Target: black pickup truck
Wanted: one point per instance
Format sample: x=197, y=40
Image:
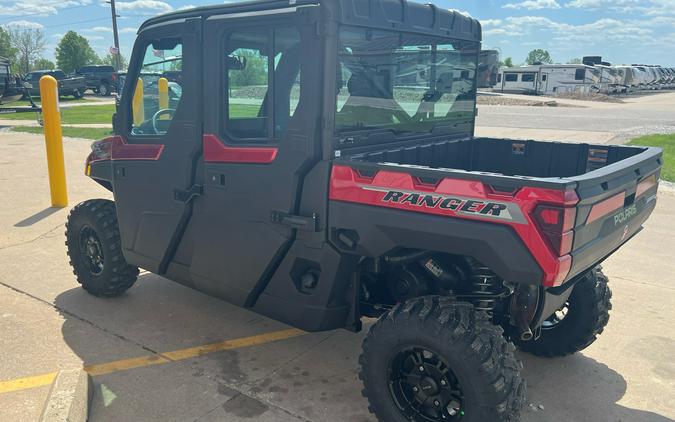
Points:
x=318, y=165
x=101, y=79
x=74, y=86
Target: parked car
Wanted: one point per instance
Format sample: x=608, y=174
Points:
x=359, y=190
x=74, y=86
x=101, y=79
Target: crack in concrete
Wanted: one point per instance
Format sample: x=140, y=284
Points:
x=26, y=242
x=82, y=319
x=642, y=282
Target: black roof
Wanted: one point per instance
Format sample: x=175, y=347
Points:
x=401, y=15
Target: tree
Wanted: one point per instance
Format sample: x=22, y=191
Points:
x=6, y=49
x=253, y=71
x=508, y=62
x=539, y=56
x=575, y=61
x=73, y=52
x=109, y=59
x=43, y=64
x=29, y=44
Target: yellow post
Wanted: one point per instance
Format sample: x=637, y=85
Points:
x=163, y=88
x=137, y=104
x=49, y=93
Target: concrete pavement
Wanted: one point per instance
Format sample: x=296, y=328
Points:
x=49, y=323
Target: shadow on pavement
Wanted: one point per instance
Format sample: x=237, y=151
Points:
x=575, y=388
x=37, y=217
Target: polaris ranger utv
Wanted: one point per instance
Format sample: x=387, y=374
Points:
x=319, y=167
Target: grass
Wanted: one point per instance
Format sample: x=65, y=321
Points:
x=75, y=115
x=667, y=142
x=70, y=132
x=36, y=100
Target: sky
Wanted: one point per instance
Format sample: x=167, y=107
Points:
x=622, y=31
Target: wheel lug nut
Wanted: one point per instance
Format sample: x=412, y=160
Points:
x=437, y=403
x=443, y=382
x=415, y=389
x=421, y=368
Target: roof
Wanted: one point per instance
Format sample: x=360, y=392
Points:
x=401, y=15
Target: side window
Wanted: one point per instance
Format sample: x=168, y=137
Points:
x=511, y=77
x=580, y=75
x=528, y=77
x=544, y=78
x=155, y=99
x=262, y=89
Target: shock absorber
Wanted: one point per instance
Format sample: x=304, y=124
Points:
x=485, y=288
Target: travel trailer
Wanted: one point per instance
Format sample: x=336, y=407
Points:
x=488, y=68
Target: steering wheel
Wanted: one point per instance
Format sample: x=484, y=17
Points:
x=155, y=117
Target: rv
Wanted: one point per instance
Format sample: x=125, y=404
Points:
x=548, y=79
x=488, y=68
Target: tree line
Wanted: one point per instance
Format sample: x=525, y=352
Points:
x=536, y=56
x=25, y=48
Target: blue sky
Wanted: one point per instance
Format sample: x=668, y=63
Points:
x=622, y=31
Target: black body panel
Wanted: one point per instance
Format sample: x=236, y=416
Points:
x=381, y=230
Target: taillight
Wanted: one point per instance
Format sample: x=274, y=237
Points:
x=114, y=77
x=556, y=224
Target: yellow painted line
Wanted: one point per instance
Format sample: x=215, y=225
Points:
x=143, y=361
x=124, y=364
x=233, y=344
x=27, y=382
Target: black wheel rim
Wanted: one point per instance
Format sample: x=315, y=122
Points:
x=424, y=387
x=91, y=250
x=557, y=317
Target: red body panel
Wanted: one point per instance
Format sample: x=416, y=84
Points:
x=346, y=184
x=215, y=151
x=116, y=148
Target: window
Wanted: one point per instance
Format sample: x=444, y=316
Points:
x=527, y=77
x=499, y=78
x=152, y=107
x=254, y=111
x=511, y=77
x=544, y=78
x=403, y=82
x=580, y=75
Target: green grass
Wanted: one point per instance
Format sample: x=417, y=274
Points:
x=75, y=115
x=70, y=132
x=244, y=110
x=36, y=100
x=667, y=142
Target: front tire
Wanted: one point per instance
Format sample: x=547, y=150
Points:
x=578, y=323
x=95, y=250
x=436, y=359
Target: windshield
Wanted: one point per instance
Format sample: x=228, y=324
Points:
x=403, y=82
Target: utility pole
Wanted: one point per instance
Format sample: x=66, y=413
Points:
x=116, y=39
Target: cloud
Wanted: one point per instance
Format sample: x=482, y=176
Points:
x=24, y=24
x=98, y=29
x=533, y=5
x=461, y=12
x=95, y=37
x=143, y=5
x=644, y=7
x=38, y=7
x=127, y=30
x=490, y=22
x=188, y=6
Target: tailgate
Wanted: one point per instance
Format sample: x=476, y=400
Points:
x=614, y=202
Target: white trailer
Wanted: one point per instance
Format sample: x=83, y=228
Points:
x=548, y=79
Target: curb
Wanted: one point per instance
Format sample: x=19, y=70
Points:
x=69, y=397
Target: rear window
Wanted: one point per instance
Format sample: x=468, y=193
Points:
x=104, y=69
x=59, y=74
x=511, y=77
x=528, y=77
x=580, y=75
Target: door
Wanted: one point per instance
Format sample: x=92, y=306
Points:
x=261, y=118
x=154, y=157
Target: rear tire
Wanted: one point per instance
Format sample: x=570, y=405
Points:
x=586, y=314
x=433, y=358
x=103, y=90
x=95, y=250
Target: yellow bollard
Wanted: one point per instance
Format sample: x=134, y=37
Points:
x=49, y=92
x=163, y=93
x=137, y=104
